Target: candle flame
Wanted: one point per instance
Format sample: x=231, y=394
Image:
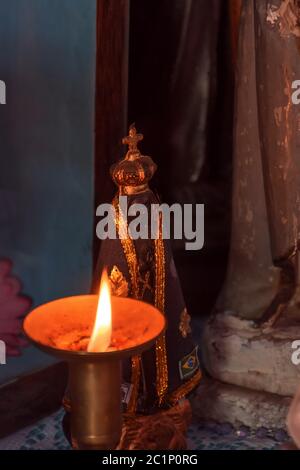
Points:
x=101, y=335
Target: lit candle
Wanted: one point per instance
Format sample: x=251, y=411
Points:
x=101, y=334
x=60, y=326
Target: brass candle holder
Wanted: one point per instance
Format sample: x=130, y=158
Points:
x=94, y=377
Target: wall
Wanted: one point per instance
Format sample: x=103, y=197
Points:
x=47, y=60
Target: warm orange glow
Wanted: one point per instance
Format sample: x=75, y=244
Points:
x=101, y=335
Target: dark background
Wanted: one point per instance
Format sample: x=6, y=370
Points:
x=181, y=99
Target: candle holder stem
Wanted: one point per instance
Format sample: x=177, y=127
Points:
x=96, y=417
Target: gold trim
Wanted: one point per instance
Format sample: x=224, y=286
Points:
x=128, y=249
x=135, y=380
x=184, y=324
x=184, y=389
x=160, y=347
x=118, y=282
x=129, y=190
x=132, y=262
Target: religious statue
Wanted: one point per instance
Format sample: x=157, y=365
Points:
x=144, y=269
x=263, y=276
x=248, y=340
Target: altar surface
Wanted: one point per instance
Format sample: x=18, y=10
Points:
x=47, y=434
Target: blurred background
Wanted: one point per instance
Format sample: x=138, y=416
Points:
x=73, y=83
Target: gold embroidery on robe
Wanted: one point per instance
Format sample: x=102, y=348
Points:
x=119, y=285
x=145, y=284
x=184, y=325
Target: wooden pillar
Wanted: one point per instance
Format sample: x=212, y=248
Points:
x=111, y=94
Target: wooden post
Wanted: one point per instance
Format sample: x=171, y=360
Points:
x=111, y=94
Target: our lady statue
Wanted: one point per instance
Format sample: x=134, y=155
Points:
x=144, y=269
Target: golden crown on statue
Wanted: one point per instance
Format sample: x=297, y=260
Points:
x=134, y=171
